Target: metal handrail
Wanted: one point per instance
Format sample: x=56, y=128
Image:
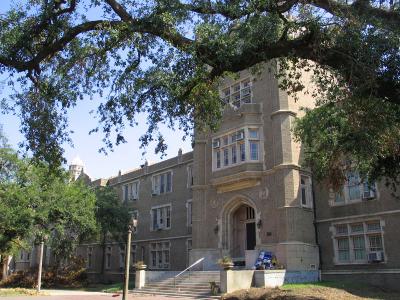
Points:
x=187, y=269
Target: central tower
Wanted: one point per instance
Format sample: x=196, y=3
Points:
x=250, y=191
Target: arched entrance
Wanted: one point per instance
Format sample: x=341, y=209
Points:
x=239, y=232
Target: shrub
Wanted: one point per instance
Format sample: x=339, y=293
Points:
x=72, y=275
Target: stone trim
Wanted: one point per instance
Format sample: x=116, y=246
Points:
x=138, y=177
x=283, y=111
x=147, y=240
x=388, y=212
x=361, y=271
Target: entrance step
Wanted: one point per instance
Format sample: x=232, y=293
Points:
x=193, y=285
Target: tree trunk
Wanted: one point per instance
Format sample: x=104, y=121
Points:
x=5, y=266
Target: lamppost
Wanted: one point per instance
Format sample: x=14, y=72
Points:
x=39, y=279
x=131, y=227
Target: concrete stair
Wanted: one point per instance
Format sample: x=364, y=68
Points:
x=193, y=285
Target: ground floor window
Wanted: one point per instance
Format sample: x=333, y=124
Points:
x=159, y=255
x=108, y=257
x=89, y=262
x=359, y=242
x=122, y=256
x=133, y=254
x=189, y=247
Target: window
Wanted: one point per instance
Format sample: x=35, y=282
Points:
x=108, y=257
x=130, y=191
x=305, y=191
x=133, y=255
x=122, y=256
x=234, y=159
x=159, y=254
x=355, y=242
x=189, y=176
x=218, y=154
x=89, y=262
x=250, y=213
x=162, y=183
x=240, y=146
x=161, y=217
x=189, y=213
x=237, y=94
x=189, y=248
x=354, y=190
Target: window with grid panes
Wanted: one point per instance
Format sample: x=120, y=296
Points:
x=238, y=93
x=162, y=183
x=161, y=217
x=355, y=240
x=240, y=146
x=160, y=254
x=130, y=191
x=354, y=190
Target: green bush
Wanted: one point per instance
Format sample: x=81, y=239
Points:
x=72, y=275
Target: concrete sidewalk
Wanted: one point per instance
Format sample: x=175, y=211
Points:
x=76, y=295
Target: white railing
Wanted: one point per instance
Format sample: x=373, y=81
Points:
x=187, y=270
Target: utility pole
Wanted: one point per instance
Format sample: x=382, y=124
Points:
x=39, y=280
x=132, y=225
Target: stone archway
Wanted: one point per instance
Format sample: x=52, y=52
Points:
x=237, y=222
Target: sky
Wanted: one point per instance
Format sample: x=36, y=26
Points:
x=97, y=165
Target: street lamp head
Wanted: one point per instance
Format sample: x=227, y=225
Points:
x=133, y=223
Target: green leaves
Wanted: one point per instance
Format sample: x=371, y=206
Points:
x=165, y=59
x=37, y=202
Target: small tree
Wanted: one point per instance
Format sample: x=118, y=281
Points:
x=112, y=218
x=36, y=203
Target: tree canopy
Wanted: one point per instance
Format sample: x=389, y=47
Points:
x=166, y=58
x=36, y=203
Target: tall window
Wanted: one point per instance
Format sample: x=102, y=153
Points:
x=133, y=255
x=189, y=175
x=108, y=257
x=131, y=191
x=359, y=242
x=89, y=262
x=122, y=256
x=189, y=212
x=305, y=191
x=240, y=146
x=189, y=248
x=159, y=255
x=162, y=183
x=238, y=93
x=161, y=217
x=354, y=190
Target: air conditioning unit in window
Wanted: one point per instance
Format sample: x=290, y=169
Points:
x=368, y=195
x=159, y=227
x=240, y=135
x=216, y=143
x=376, y=256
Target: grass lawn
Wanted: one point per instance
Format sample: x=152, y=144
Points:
x=105, y=288
x=315, y=291
x=18, y=292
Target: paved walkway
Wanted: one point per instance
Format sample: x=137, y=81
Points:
x=76, y=295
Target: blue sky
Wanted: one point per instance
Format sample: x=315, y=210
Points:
x=125, y=157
